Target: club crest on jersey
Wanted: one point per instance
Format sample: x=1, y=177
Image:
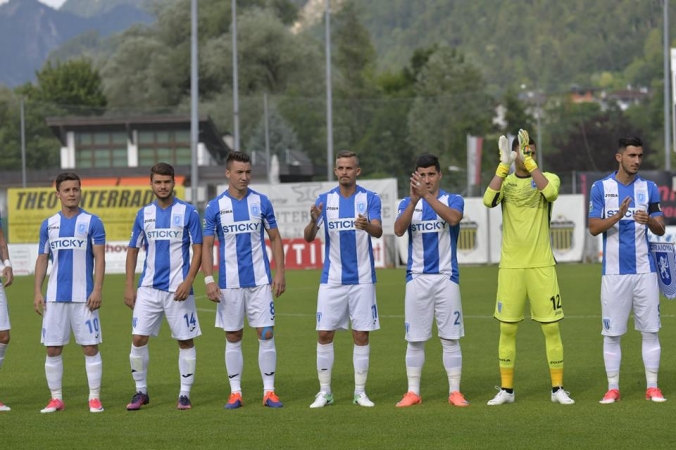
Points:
x=255, y=210
x=177, y=220
x=81, y=228
x=361, y=207
x=641, y=197
x=532, y=184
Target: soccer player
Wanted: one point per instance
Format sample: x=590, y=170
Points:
x=431, y=217
x=527, y=266
x=166, y=229
x=623, y=206
x=347, y=290
x=239, y=217
x=75, y=242
x=8, y=275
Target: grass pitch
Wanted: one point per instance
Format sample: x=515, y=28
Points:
x=531, y=422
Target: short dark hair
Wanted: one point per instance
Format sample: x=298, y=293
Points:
x=428, y=160
x=515, y=142
x=348, y=154
x=161, y=168
x=628, y=141
x=67, y=176
x=237, y=156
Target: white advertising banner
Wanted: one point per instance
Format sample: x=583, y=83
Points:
x=481, y=232
x=24, y=255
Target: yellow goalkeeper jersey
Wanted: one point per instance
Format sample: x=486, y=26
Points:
x=526, y=213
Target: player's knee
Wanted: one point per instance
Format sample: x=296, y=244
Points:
x=551, y=329
x=649, y=337
x=4, y=337
x=267, y=333
x=508, y=329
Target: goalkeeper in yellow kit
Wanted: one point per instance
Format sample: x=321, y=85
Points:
x=526, y=264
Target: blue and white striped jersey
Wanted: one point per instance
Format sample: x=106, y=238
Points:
x=69, y=242
x=167, y=236
x=432, y=242
x=348, y=252
x=239, y=226
x=625, y=245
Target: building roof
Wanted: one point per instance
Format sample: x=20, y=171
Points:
x=208, y=134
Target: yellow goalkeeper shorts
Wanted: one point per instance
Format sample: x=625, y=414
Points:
x=539, y=285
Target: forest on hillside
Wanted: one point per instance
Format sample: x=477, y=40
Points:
x=408, y=77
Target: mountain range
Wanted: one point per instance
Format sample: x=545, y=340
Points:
x=30, y=30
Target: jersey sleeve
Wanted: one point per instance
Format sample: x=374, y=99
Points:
x=321, y=200
x=492, y=198
x=402, y=205
x=137, y=233
x=551, y=191
x=375, y=207
x=44, y=238
x=194, y=227
x=98, y=231
x=268, y=213
x=210, y=218
x=596, y=201
x=654, y=200
x=457, y=202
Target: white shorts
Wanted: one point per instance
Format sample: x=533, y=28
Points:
x=428, y=297
x=622, y=293
x=4, y=310
x=152, y=304
x=338, y=305
x=256, y=303
x=59, y=318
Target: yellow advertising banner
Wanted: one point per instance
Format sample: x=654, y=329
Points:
x=115, y=205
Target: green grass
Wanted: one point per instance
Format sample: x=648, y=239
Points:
x=531, y=422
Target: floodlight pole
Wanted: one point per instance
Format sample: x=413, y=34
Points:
x=194, y=123
x=235, y=79
x=329, y=97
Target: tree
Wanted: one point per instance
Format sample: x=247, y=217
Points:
x=73, y=83
x=451, y=102
x=281, y=136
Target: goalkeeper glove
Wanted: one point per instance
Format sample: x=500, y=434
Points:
x=506, y=157
x=525, y=151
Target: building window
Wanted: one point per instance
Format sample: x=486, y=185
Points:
x=100, y=150
x=170, y=146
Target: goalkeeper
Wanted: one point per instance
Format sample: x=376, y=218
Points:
x=526, y=264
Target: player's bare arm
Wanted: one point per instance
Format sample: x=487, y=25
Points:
x=279, y=280
x=183, y=289
x=40, y=274
x=96, y=297
x=310, y=231
x=213, y=291
x=130, y=272
x=598, y=226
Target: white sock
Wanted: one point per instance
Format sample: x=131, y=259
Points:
x=94, y=368
x=54, y=373
x=651, y=352
x=325, y=357
x=415, y=359
x=267, y=363
x=234, y=363
x=452, y=357
x=187, y=359
x=612, y=357
x=360, y=360
x=3, y=349
x=138, y=360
